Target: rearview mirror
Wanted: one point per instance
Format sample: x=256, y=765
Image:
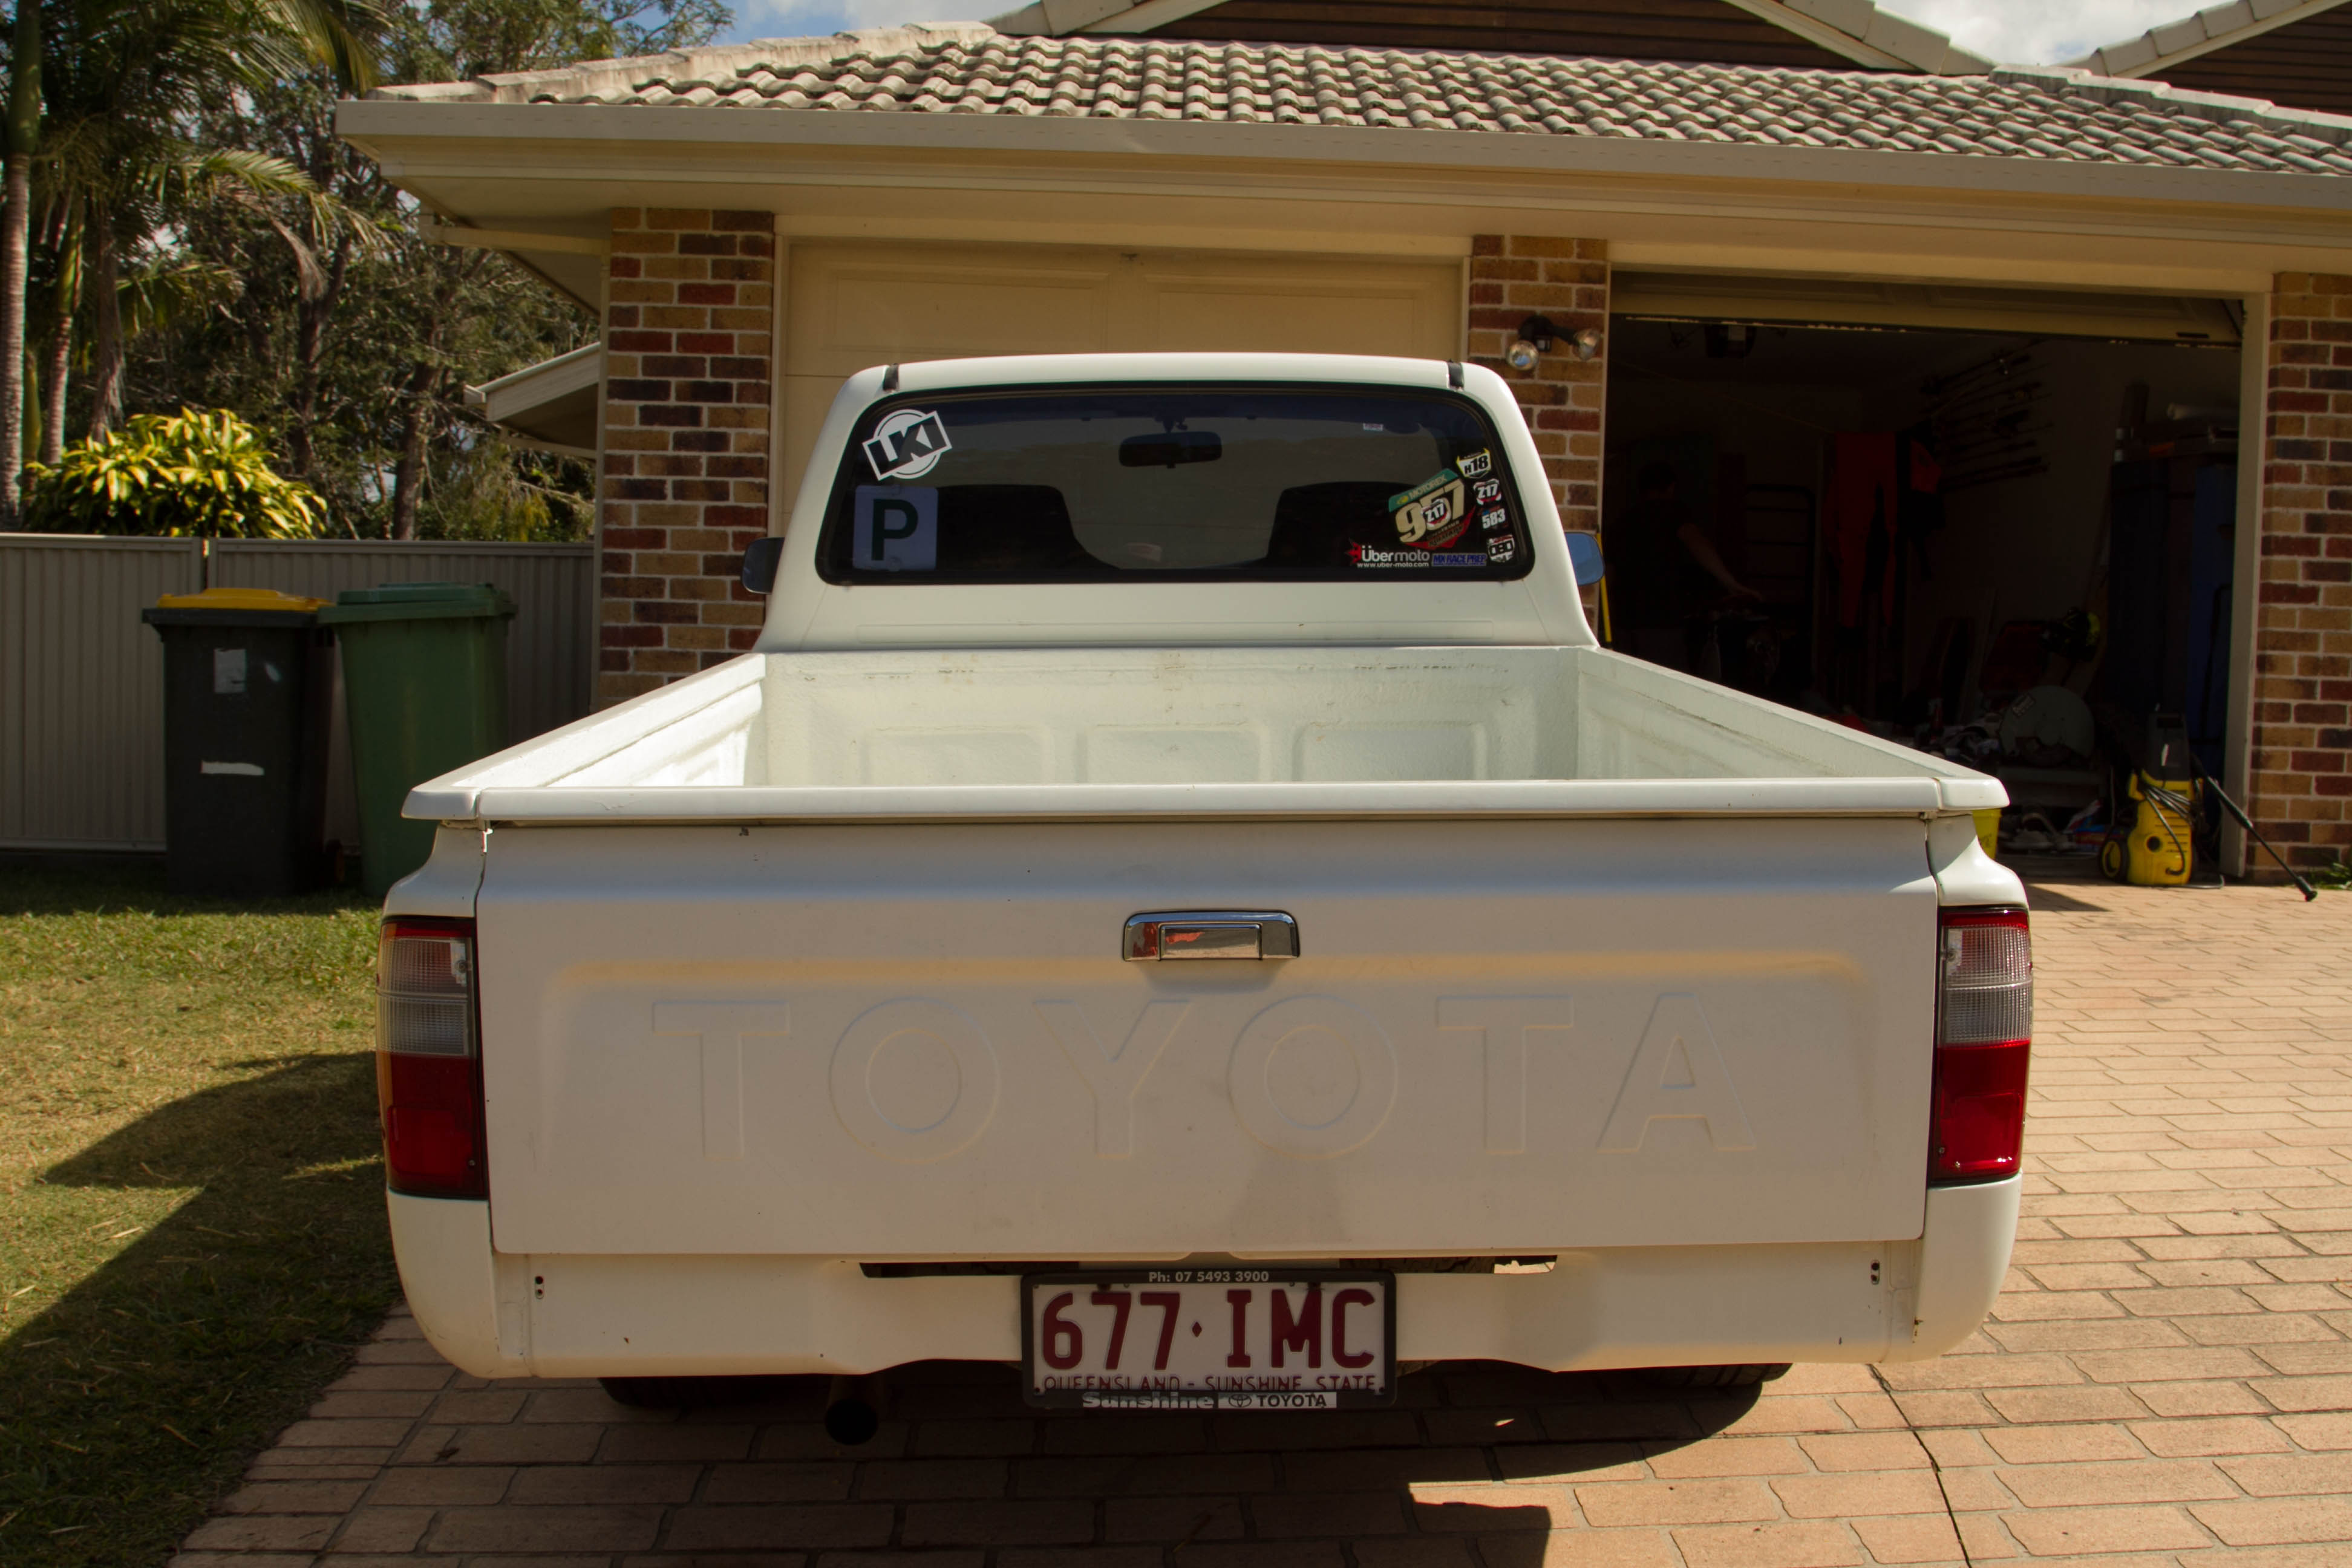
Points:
x=1585, y=556
x=759, y=560
x=1167, y=451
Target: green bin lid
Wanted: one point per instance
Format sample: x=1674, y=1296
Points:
x=417, y=601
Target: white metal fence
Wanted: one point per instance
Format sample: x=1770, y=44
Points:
x=81, y=680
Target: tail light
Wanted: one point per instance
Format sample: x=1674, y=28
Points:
x=428, y=1066
x=1984, y=1035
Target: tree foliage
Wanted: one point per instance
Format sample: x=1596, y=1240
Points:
x=255, y=262
x=204, y=474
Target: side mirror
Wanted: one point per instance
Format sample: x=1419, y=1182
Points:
x=759, y=565
x=1585, y=556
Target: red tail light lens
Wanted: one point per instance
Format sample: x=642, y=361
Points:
x=428, y=1066
x=1984, y=1038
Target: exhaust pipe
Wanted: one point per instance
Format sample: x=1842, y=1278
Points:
x=851, y=1417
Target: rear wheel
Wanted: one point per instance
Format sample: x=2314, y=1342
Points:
x=1746, y=1376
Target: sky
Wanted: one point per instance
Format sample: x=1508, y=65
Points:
x=2023, y=32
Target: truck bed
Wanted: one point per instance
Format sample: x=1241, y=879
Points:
x=1087, y=732
x=1583, y=962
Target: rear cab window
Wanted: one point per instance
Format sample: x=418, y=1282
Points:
x=1223, y=483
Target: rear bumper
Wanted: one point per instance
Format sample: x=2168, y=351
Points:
x=506, y=1315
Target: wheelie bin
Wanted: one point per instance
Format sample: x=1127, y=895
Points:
x=424, y=686
x=248, y=680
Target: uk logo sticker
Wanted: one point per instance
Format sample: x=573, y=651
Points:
x=906, y=445
x=894, y=528
x=1477, y=466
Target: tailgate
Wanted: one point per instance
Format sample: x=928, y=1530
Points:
x=922, y=1041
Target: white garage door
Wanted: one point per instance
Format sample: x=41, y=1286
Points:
x=852, y=306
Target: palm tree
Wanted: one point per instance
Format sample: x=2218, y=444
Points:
x=23, y=123
x=113, y=97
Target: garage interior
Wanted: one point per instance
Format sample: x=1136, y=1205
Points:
x=1995, y=524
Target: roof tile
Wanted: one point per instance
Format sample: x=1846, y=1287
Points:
x=2040, y=114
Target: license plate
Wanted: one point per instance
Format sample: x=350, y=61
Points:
x=1209, y=1339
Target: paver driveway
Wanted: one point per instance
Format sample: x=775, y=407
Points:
x=2167, y=1381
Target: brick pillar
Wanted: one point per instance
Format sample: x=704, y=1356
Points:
x=1512, y=276
x=689, y=342
x=2303, y=616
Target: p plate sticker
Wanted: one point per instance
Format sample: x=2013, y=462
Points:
x=906, y=445
x=1477, y=465
x=1431, y=515
x=894, y=528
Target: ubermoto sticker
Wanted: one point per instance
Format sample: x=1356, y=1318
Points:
x=906, y=445
x=894, y=528
x=1373, y=555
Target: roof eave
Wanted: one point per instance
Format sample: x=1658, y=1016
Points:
x=1886, y=43
x=2153, y=53
x=397, y=132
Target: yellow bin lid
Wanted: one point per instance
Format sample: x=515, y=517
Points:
x=240, y=599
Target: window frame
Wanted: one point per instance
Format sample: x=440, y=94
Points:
x=839, y=498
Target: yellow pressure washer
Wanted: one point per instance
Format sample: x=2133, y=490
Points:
x=2155, y=852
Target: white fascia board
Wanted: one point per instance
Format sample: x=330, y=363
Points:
x=1130, y=19
x=526, y=141
x=1860, y=32
x=1823, y=34
x=535, y=385
x=2159, y=49
x=1028, y=22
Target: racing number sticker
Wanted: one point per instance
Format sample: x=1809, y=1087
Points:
x=1431, y=515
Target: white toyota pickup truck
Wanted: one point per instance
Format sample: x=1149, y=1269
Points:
x=1179, y=901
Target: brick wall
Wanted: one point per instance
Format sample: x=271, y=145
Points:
x=1512, y=276
x=2302, y=639
x=688, y=338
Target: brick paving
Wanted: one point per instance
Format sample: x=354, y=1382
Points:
x=2167, y=1381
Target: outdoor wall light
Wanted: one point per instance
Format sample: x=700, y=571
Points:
x=1535, y=341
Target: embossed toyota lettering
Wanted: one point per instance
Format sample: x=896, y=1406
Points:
x=719, y=1030
x=1677, y=1071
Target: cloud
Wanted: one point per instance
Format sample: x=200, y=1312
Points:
x=810, y=19
x=2024, y=32
x=2034, y=32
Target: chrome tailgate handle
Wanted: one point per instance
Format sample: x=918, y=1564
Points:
x=1210, y=933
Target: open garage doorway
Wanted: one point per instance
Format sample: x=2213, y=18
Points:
x=1968, y=530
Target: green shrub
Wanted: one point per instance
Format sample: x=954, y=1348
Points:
x=204, y=474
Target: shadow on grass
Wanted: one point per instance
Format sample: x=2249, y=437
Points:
x=135, y=1401
x=61, y=885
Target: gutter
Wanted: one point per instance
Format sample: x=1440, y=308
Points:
x=408, y=136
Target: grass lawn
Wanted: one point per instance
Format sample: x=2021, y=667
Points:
x=192, y=1229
